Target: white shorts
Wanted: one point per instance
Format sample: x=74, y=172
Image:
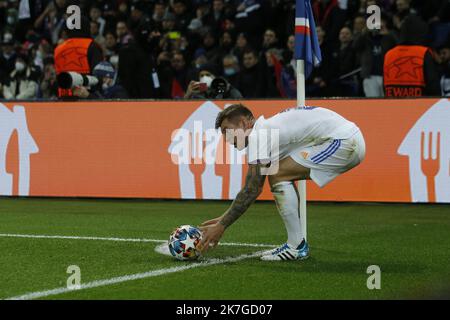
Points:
x=331, y=158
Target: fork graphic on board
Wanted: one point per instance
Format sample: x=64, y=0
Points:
x=197, y=164
x=430, y=167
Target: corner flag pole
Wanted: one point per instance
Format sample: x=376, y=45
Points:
x=307, y=55
x=301, y=102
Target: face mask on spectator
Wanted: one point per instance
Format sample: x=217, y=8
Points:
x=207, y=80
x=10, y=20
x=114, y=60
x=229, y=71
x=20, y=66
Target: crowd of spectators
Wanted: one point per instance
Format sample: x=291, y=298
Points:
x=161, y=49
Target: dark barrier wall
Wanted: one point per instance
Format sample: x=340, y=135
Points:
x=135, y=149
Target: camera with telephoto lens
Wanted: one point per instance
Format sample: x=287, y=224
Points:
x=219, y=88
x=69, y=80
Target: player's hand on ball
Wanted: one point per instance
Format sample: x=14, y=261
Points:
x=211, y=235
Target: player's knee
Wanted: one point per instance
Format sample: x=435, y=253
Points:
x=277, y=178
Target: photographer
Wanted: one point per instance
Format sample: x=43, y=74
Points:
x=211, y=87
x=106, y=87
x=79, y=53
x=409, y=68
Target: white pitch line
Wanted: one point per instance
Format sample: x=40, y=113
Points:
x=149, y=274
x=42, y=236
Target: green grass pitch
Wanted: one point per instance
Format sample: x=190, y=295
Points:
x=410, y=244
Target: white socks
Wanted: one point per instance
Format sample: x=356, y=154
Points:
x=288, y=204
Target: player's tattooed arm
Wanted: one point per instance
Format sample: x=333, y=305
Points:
x=254, y=183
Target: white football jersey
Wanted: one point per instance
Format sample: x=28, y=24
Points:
x=275, y=138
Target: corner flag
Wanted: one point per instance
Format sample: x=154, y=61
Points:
x=307, y=46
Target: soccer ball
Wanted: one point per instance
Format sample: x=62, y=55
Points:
x=183, y=243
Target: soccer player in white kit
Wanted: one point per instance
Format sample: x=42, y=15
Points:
x=296, y=144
